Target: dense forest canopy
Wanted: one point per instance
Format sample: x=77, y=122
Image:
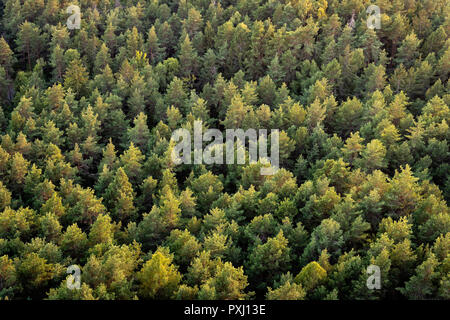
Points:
x=86, y=176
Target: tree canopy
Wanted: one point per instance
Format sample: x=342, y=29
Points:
x=87, y=179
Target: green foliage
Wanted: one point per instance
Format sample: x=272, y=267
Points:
x=87, y=178
x=158, y=277
x=310, y=276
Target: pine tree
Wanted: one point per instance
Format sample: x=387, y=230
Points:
x=102, y=59
x=30, y=42
x=373, y=156
x=58, y=63
x=5, y=197
x=188, y=59
x=154, y=50
x=76, y=77
x=311, y=276
x=184, y=246
x=7, y=58
x=131, y=161
x=102, y=231
x=139, y=135
x=120, y=196
x=409, y=50
x=74, y=241
x=267, y=261
x=420, y=286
